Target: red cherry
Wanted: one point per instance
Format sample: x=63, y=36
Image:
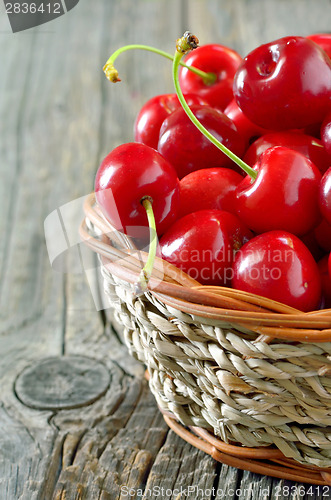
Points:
x=213, y=58
x=309, y=146
x=154, y=112
x=277, y=265
x=183, y=145
x=326, y=135
x=247, y=129
x=203, y=245
x=208, y=188
x=323, y=40
x=325, y=195
x=284, y=84
x=130, y=173
x=284, y=194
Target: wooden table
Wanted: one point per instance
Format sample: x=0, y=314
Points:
x=77, y=420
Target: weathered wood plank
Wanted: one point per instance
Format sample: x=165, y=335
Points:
x=41, y=175
x=245, y=24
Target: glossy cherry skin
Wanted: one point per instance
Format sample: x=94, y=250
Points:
x=247, y=129
x=211, y=58
x=203, y=244
x=129, y=173
x=284, y=84
x=326, y=135
x=309, y=146
x=154, y=112
x=209, y=188
x=325, y=195
x=187, y=149
x=284, y=194
x=323, y=40
x=277, y=265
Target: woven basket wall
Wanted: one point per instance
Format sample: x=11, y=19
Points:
x=242, y=372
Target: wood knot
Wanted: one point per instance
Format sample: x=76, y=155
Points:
x=62, y=383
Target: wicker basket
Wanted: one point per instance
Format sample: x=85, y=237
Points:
x=243, y=378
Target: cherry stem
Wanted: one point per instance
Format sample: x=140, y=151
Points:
x=146, y=272
x=183, y=46
x=112, y=74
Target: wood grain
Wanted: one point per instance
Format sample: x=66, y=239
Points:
x=60, y=117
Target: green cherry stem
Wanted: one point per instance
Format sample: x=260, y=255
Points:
x=183, y=46
x=146, y=272
x=112, y=74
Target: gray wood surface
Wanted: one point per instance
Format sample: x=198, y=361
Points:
x=59, y=118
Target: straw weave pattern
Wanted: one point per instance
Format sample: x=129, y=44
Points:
x=217, y=376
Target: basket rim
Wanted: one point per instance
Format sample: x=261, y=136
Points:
x=173, y=287
x=268, y=461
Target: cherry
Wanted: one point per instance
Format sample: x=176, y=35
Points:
x=307, y=145
x=323, y=40
x=277, y=265
x=280, y=192
x=284, y=194
x=182, y=144
x=284, y=84
x=203, y=245
x=247, y=129
x=325, y=195
x=326, y=135
x=218, y=60
x=299, y=188
x=129, y=174
x=133, y=175
x=208, y=188
x=154, y=112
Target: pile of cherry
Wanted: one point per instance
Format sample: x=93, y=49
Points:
x=267, y=231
